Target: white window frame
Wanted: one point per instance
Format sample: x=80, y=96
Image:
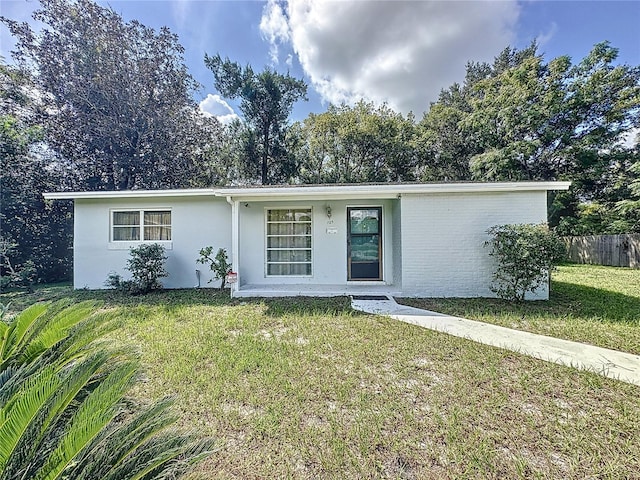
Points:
x=125, y=244
x=267, y=236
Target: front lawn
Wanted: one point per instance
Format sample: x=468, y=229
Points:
x=306, y=388
x=588, y=303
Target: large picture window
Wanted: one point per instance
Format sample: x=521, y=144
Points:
x=141, y=225
x=289, y=242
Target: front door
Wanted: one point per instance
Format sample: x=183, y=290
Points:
x=364, y=243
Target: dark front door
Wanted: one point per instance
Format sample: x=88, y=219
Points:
x=364, y=243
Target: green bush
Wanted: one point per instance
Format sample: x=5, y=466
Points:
x=525, y=254
x=219, y=265
x=146, y=264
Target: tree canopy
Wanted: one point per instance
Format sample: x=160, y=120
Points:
x=93, y=103
x=266, y=101
x=355, y=144
x=35, y=236
x=526, y=119
x=121, y=110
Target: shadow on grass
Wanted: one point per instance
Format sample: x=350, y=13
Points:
x=597, y=303
x=566, y=299
x=275, y=307
x=20, y=300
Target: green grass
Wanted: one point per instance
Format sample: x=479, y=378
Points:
x=588, y=303
x=306, y=388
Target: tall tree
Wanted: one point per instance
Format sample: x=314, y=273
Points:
x=362, y=143
x=547, y=121
x=121, y=109
x=34, y=234
x=446, y=142
x=526, y=119
x=266, y=101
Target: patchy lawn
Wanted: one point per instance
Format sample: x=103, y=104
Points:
x=588, y=303
x=306, y=388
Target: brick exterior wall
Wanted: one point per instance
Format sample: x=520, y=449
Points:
x=443, y=253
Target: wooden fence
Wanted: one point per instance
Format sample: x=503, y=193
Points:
x=615, y=250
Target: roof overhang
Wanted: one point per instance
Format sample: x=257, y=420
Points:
x=382, y=191
x=321, y=192
x=190, y=192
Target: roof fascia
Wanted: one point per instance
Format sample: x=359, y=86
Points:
x=385, y=191
x=347, y=192
x=192, y=192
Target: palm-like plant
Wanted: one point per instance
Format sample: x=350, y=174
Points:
x=63, y=411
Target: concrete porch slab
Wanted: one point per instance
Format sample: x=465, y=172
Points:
x=303, y=290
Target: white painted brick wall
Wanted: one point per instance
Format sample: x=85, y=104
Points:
x=443, y=253
x=397, y=243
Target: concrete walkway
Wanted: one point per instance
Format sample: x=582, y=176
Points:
x=610, y=363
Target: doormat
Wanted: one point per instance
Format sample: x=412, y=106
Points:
x=369, y=297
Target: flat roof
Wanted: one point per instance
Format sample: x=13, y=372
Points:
x=346, y=191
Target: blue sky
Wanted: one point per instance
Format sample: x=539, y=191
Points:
x=394, y=51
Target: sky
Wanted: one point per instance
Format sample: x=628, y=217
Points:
x=399, y=52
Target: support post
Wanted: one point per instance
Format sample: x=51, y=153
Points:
x=235, y=242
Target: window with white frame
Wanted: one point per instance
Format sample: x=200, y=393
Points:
x=289, y=242
x=140, y=225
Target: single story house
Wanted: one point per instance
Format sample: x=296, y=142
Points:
x=401, y=239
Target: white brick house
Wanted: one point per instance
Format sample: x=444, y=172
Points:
x=403, y=239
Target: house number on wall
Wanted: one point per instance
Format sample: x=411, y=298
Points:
x=332, y=231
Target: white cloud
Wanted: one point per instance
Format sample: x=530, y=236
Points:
x=274, y=27
x=543, y=38
x=402, y=52
x=214, y=106
x=181, y=10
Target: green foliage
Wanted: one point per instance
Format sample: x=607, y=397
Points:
x=219, y=265
x=356, y=144
x=595, y=218
x=146, y=264
x=525, y=255
x=447, y=140
x=24, y=275
x=121, y=110
x=266, y=102
x=39, y=232
x=62, y=407
x=116, y=282
x=523, y=118
x=543, y=121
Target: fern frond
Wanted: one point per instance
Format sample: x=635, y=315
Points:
x=45, y=430
x=95, y=412
x=121, y=440
x=20, y=410
x=164, y=455
x=18, y=328
x=56, y=329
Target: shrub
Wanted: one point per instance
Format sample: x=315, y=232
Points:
x=116, y=282
x=525, y=254
x=146, y=264
x=219, y=265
